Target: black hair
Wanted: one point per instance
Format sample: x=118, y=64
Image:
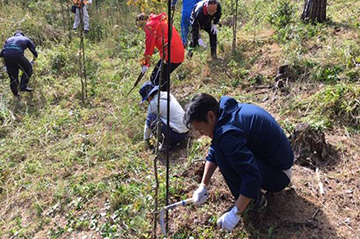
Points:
x=141, y=17
x=198, y=108
x=213, y=2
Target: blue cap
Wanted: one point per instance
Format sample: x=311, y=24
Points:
x=147, y=89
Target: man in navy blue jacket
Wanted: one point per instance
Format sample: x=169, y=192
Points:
x=205, y=15
x=249, y=147
x=13, y=53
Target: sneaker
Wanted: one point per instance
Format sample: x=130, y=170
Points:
x=259, y=204
x=28, y=89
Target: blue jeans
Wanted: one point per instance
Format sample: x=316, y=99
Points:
x=174, y=137
x=185, y=23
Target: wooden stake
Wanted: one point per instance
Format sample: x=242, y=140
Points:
x=321, y=185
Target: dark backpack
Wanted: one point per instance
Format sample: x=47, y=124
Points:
x=73, y=8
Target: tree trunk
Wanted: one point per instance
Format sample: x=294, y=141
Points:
x=314, y=11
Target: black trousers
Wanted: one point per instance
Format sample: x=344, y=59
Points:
x=195, y=37
x=155, y=75
x=13, y=63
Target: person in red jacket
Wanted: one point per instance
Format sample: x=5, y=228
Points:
x=156, y=31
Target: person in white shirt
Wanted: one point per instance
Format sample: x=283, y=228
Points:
x=178, y=129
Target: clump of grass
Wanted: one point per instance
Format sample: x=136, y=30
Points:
x=332, y=105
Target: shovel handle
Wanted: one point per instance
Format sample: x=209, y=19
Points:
x=181, y=203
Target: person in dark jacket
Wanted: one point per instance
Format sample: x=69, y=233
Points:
x=13, y=53
x=249, y=147
x=205, y=15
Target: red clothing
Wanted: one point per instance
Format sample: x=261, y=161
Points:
x=156, y=27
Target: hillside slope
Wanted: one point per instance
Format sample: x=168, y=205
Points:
x=69, y=170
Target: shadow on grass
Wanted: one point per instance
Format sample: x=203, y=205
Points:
x=339, y=25
x=289, y=215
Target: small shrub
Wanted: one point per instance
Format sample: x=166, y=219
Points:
x=282, y=15
x=328, y=74
x=339, y=102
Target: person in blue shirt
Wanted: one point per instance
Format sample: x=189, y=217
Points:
x=187, y=7
x=249, y=147
x=13, y=53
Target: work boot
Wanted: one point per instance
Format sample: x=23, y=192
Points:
x=28, y=89
x=86, y=31
x=213, y=54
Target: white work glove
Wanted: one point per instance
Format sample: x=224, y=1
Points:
x=32, y=63
x=200, y=195
x=214, y=30
x=201, y=43
x=144, y=69
x=229, y=220
x=4, y=69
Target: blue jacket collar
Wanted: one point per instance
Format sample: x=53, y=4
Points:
x=227, y=106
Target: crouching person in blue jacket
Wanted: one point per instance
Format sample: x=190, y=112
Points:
x=13, y=53
x=178, y=129
x=249, y=147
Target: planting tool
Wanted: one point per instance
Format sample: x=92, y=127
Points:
x=171, y=206
x=136, y=82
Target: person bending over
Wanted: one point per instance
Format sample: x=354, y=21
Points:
x=249, y=147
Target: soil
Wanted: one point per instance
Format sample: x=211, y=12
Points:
x=300, y=211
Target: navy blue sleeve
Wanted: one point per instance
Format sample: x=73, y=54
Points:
x=173, y=3
x=31, y=47
x=242, y=161
x=211, y=155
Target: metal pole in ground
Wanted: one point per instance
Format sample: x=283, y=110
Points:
x=168, y=111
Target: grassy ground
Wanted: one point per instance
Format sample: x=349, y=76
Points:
x=75, y=171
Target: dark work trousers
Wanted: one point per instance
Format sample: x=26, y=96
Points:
x=174, y=136
x=13, y=63
x=273, y=179
x=155, y=75
x=195, y=37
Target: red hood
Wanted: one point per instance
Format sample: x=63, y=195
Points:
x=161, y=16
